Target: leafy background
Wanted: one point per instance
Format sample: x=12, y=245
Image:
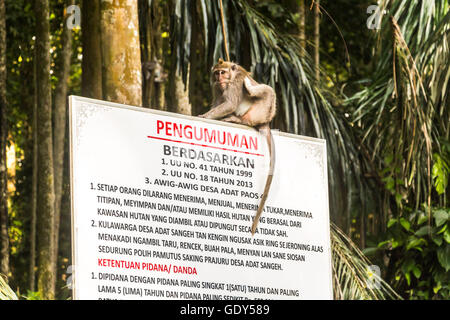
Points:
x=381, y=103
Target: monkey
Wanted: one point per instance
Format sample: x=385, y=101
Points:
x=238, y=98
x=154, y=68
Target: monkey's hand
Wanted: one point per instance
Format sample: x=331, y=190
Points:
x=247, y=83
x=257, y=90
x=219, y=112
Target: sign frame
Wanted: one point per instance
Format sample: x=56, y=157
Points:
x=78, y=99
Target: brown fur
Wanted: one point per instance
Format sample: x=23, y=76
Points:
x=238, y=98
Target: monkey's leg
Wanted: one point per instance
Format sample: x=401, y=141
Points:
x=257, y=115
x=219, y=112
x=233, y=119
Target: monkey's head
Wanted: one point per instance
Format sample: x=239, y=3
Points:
x=225, y=72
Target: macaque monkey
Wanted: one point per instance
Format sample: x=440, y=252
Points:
x=238, y=98
x=154, y=68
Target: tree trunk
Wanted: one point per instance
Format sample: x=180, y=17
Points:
x=32, y=273
x=46, y=196
x=152, y=54
x=60, y=124
x=4, y=237
x=178, y=90
x=158, y=92
x=180, y=95
x=301, y=26
x=122, y=76
x=316, y=39
x=91, y=77
x=195, y=75
x=145, y=35
x=34, y=182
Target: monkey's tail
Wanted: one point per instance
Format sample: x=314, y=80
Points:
x=273, y=108
x=271, y=145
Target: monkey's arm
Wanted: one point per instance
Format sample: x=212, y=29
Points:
x=222, y=110
x=256, y=89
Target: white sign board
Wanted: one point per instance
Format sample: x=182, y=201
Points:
x=162, y=208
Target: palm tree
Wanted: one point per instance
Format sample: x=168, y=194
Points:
x=305, y=108
x=403, y=112
x=403, y=124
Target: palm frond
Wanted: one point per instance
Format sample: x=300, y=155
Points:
x=6, y=292
x=403, y=112
x=352, y=279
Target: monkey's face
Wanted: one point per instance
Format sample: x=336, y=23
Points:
x=223, y=74
x=222, y=78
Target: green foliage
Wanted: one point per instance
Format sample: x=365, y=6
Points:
x=32, y=295
x=20, y=95
x=385, y=155
x=403, y=111
x=419, y=254
x=403, y=122
x=346, y=35
x=441, y=168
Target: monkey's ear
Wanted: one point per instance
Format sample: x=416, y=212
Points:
x=220, y=60
x=233, y=67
